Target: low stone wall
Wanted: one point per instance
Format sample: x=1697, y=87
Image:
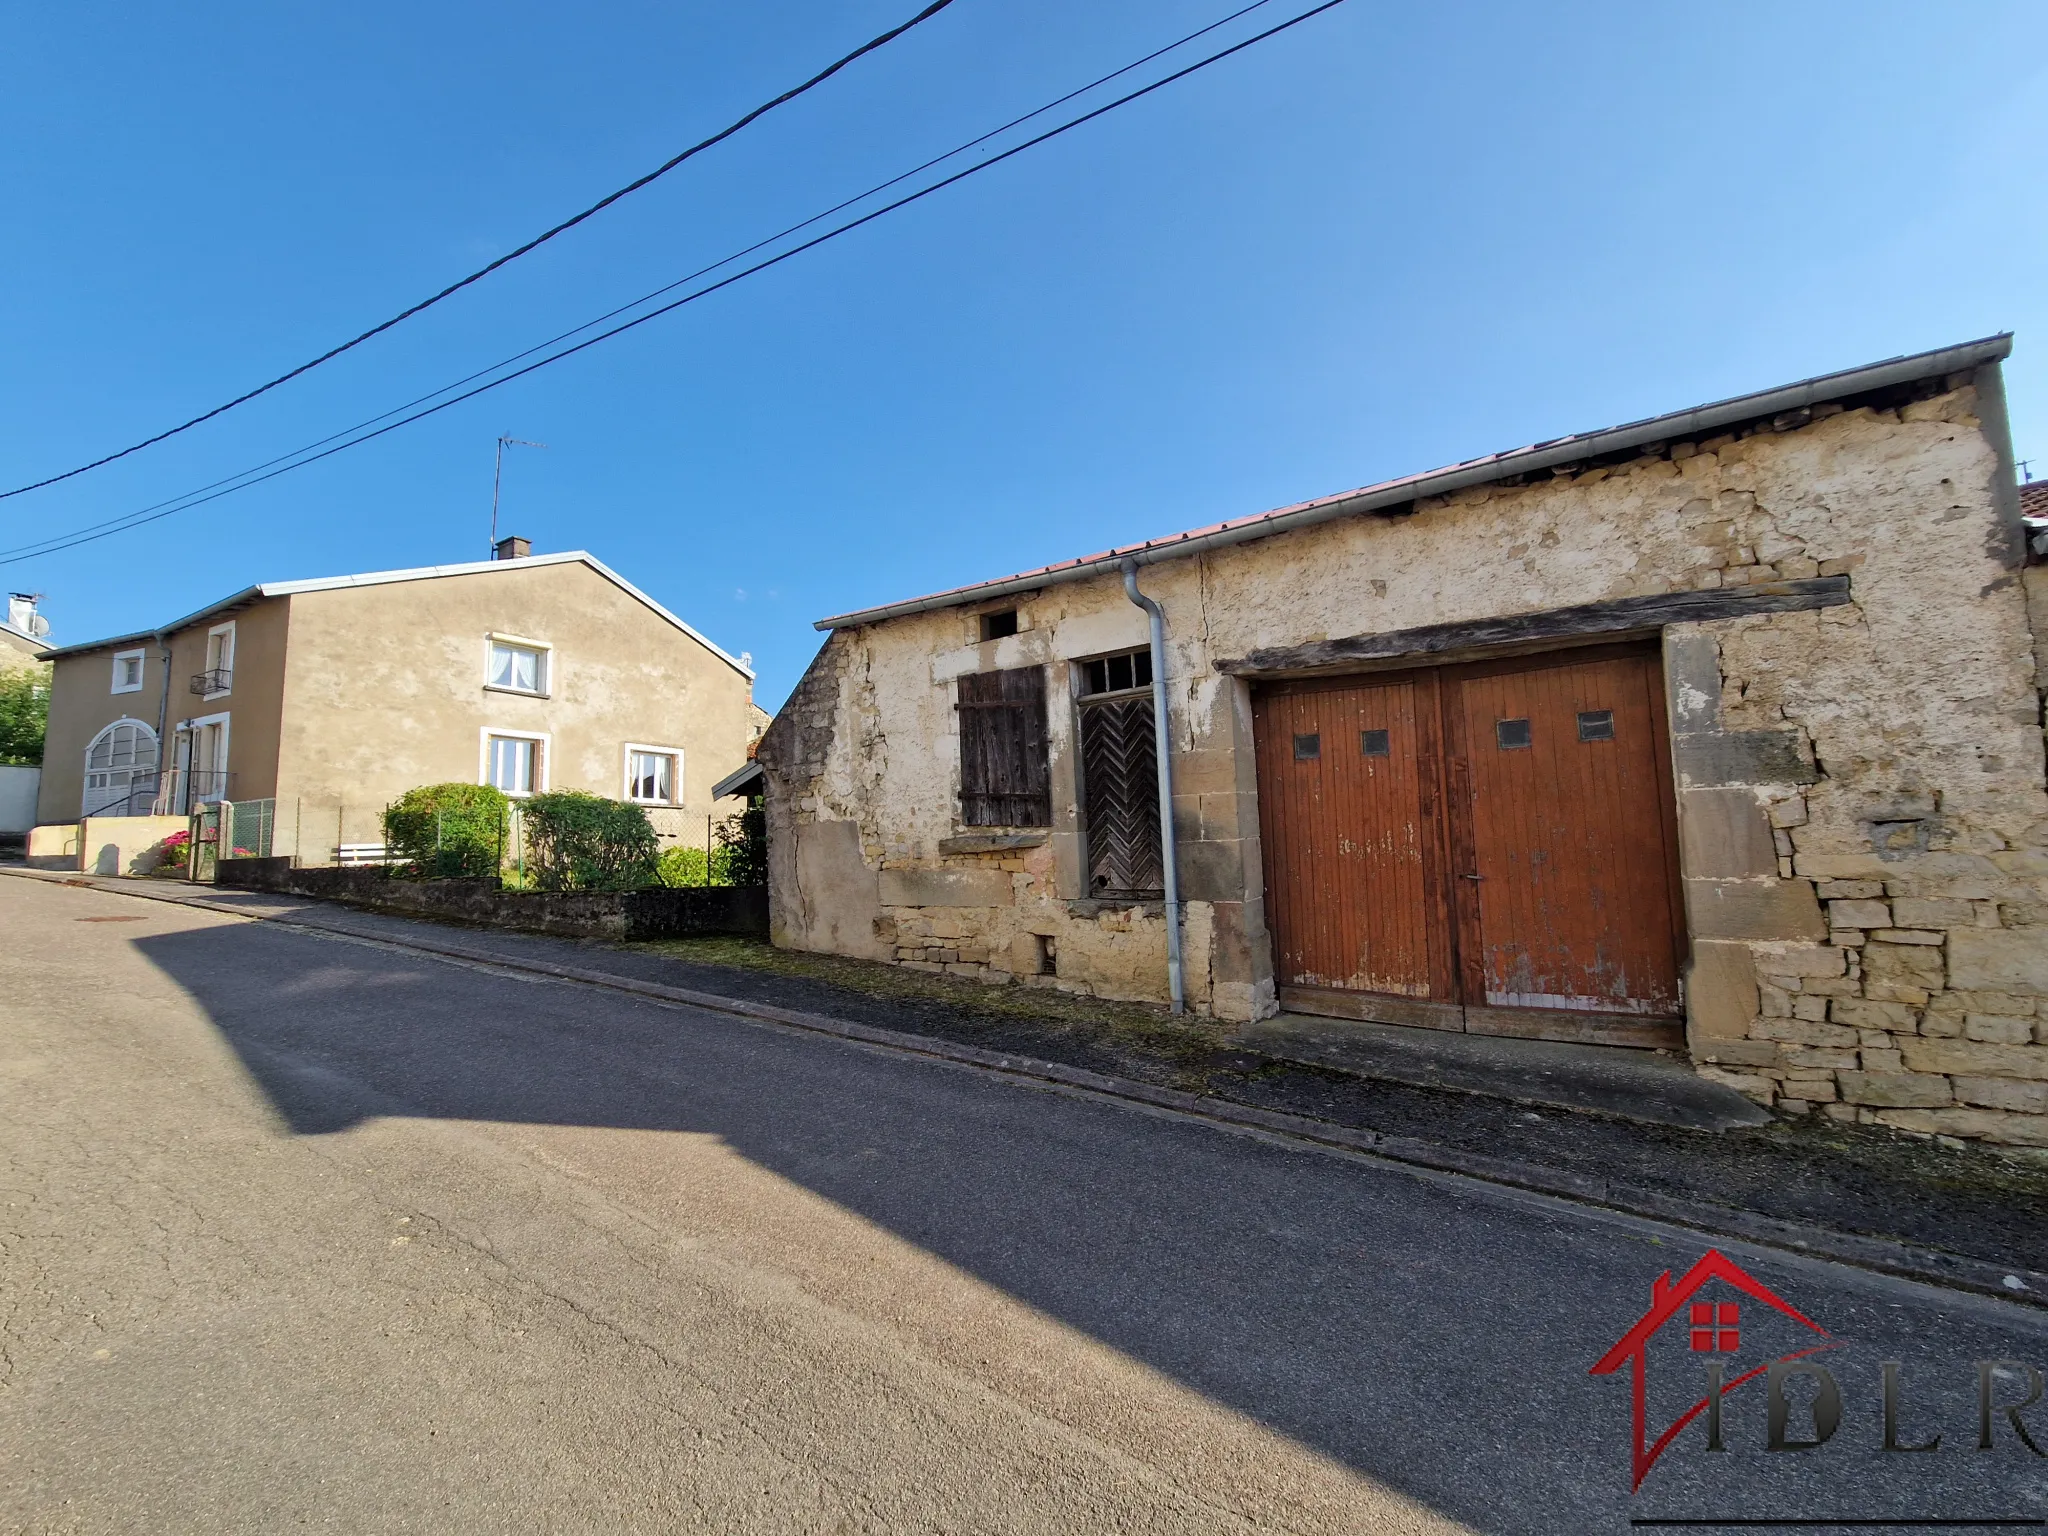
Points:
x=661, y=913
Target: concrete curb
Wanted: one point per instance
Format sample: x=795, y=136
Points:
x=1880, y=1255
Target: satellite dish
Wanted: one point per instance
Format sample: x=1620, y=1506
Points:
x=38, y=625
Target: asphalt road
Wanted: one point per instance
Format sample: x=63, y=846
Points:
x=308, y=1233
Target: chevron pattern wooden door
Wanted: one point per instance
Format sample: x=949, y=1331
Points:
x=1120, y=797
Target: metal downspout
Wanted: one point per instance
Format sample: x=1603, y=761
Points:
x=1162, y=747
x=163, y=715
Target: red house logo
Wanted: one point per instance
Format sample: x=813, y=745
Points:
x=1712, y=1327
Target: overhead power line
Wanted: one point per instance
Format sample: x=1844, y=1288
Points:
x=355, y=436
x=482, y=272
x=134, y=519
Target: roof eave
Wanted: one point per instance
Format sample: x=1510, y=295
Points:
x=1696, y=421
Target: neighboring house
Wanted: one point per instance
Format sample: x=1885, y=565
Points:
x=334, y=696
x=22, y=632
x=1717, y=732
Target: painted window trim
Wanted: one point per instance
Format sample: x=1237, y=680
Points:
x=228, y=652
x=546, y=741
x=141, y=659
x=675, y=776
x=546, y=652
x=225, y=720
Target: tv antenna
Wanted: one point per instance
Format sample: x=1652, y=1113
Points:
x=498, y=479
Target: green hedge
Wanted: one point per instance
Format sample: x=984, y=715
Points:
x=447, y=831
x=739, y=854
x=583, y=842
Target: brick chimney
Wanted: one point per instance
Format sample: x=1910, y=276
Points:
x=512, y=547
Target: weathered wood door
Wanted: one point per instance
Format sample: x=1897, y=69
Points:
x=1349, y=799
x=1487, y=847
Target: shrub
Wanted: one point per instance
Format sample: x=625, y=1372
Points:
x=739, y=855
x=584, y=842
x=173, y=851
x=681, y=866
x=447, y=831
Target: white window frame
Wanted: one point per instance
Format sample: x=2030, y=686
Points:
x=675, y=778
x=156, y=757
x=141, y=660
x=545, y=743
x=545, y=652
x=189, y=729
x=226, y=652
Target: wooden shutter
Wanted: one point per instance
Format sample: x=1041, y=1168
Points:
x=1120, y=787
x=1005, y=775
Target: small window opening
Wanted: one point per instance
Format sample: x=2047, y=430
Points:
x=1375, y=744
x=1048, y=954
x=1308, y=748
x=1716, y=1326
x=1114, y=674
x=1596, y=725
x=1511, y=734
x=999, y=626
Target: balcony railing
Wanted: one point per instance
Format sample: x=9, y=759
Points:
x=213, y=681
x=136, y=798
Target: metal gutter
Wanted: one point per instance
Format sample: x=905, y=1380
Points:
x=1700, y=420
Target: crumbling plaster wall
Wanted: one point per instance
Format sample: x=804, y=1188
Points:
x=1864, y=829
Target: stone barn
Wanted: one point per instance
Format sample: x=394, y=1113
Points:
x=1718, y=733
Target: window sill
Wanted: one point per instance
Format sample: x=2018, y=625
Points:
x=208, y=698
x=1095, y=906
x=991, y=842
x=520, y=693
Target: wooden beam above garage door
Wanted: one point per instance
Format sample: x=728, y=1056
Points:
x=1621, y=616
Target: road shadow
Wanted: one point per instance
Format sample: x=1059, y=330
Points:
x=1433, y=1338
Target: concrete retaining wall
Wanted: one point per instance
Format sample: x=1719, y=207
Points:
x=661, y=913
x=18, y=787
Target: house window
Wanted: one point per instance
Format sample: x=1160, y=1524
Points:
x=654, y=775
x=127, y=671
x=999, y=626
x=219, y=677
x=1005, y=771
x=1114, y=674
x=1120, y=777
x=516, y=666
x=516, y=761
x=1714, y=1329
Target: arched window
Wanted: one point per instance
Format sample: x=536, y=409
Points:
x=120, y=771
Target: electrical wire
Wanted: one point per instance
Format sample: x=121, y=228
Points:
x=482, y=272
x=645, y=298
x=139, y=519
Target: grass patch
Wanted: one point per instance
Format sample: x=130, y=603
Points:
x=1132, y=1025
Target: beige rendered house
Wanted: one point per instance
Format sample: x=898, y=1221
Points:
x=1719, y=732
x=332, y=697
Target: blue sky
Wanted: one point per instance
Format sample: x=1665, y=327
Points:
x=1392, y=238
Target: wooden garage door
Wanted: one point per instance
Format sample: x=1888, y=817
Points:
x=1485, y=847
